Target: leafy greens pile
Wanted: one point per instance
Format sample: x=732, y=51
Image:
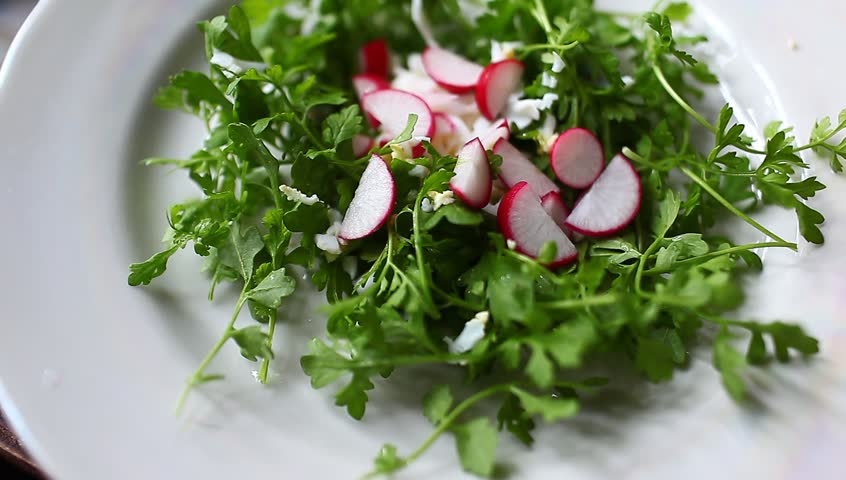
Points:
x=645, y=294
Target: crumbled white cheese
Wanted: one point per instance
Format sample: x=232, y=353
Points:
x=511, y=244
x=439, y=199
x=311, y=18
x=628, y=80
x=523, y=111
x=295, y=195
x=328, y=243
x=503, y=51
x=419, y=171
x=549, y=80
x=426, y=206
x=792, y=44
x=405, y=150
x=558, y=64
x=473, y=332
x=547, y=134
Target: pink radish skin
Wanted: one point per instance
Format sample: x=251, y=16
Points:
x=554, y=206
x=391, y=109
x=517, y=168
x=523, y=219
x=577, y=158
x=372, y=202
x=497, y=82
x=500, y=130
x=361, y=144
x=366, y=83
x=611, y=203
x=472, y=182
x=450, y=71
x=375, y=58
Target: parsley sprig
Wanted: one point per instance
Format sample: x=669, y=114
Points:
x=281, y=113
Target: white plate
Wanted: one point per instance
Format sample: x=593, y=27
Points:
x=91, y=367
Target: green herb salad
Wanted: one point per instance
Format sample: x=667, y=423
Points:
x=507, y=188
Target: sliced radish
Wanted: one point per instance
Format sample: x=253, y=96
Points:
x=577, y=158
x=372, y=203
x=472, y=182
x=523, y=219
x=375, y=58
x=391, y=109
x=367, y=82
x=361, y=144
x=517, y=168
x=498, y=81
x=499, y=130
x=554, y=206
x=452, y=72
x=611, y=203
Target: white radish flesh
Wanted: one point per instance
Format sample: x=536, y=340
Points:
x=450, y=71
x=523, y=220
x=366, y=83
x=611, y=203
x=372, y=202
x=499, y=130
x=472, y=182
x=577, y=158
x=517, y=168
x=497, y=82
x=391, y=108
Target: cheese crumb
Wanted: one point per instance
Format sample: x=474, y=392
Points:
x=503, y=51
x=511, y=244
x=473, y=332
x=295, y=195
x=558, y=64
x=439, y=199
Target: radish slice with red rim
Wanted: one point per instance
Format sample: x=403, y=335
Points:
x=451, y=71
x=517, y=168
x=372, y=202
x=499, y=130
x=366, y=83
x=472, y=182
x=523, y=220
x=577, y=158
x=391, y=109
x=497, y=82
x=611, y=203
x=361, y=144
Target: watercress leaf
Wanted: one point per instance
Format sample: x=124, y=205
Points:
x=788, y=337
x=550, y=408
x=322, y=364
x=678, y=11
x=455, y=214
x=255, y=152
x=342, y=126
x=514, y=418
x=199, y=87
x=354, y=395
x=476, y=442
x=436, y=403
x=270, y=291
x=539, y=368
x=253, y=342
x=387, y=461
x=655, y=359
x=731, y=365
x=239, y=251
x=143, y=273
x=756, y=354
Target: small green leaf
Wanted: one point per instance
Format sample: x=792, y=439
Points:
x=455, y=214
x=387, y=461
x=354, y=396
x=322, y=364
x=678, y=11
x=201, y=88
x=731, y=364
x=539, y=368
x=239, y=251
x=551, y=409
x=476, y=442
x=757, y=352
x=436, y=404
x=143, y=273
x=513, y=417
x=342, y=126
x=253, y=342
x=408, y=132
x=272, y=289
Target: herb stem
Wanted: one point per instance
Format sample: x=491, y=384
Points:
x=265, y=363
x=583, y=302
x=197, y=377
x=678, y=99
x=418, y=253
x=548, y=46
x=746, y=218
x=822, y=140
x=719, y=253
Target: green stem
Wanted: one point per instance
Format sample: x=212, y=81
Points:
x=641, y=264
x=542, y=17
x=822, y=140
x=548, y=46
x=683, y=104
x=418, y=253
x=265, y=363
x=719, y=253
x=197, y=377
x=583, y=302
x=746, y=218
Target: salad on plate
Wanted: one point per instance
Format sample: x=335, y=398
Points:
x=516, y=190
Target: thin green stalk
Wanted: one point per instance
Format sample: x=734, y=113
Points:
x=265, y=363
x=822, y=140
x=583, y=302
x=746, y=218
x=719, y=253
x=418, y=252
x=548, y=46
x=198, y=376
x=683, y=104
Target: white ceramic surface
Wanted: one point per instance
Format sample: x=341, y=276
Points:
x=90, y=368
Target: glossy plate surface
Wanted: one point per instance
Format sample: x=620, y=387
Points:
x=90, y=368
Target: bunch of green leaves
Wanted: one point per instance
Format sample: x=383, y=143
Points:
x=285, y=104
